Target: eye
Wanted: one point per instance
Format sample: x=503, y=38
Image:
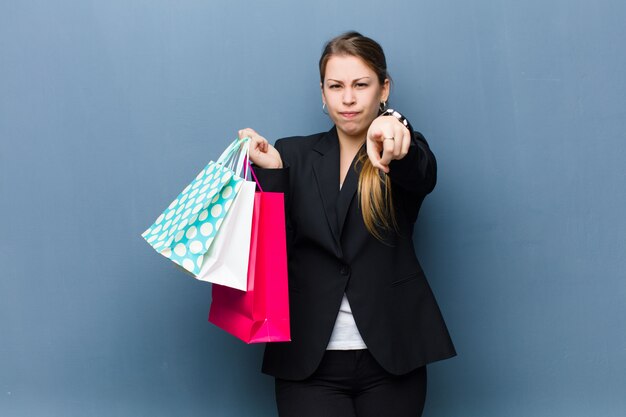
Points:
x=361, y=85
x=334, y=86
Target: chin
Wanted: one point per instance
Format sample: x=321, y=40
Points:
x=353, y=133
x=351, y=129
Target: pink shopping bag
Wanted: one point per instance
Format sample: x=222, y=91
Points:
x=260, y=314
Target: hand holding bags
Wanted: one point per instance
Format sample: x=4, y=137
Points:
x=221, y=231
x=262, y=313
x=189, y=231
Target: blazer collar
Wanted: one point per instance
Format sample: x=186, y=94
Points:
x=326, y=170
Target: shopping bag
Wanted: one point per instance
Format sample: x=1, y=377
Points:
x=262, y=313
x=226, y=260
x=186, y=230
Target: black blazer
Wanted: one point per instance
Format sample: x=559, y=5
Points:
x=331, y=252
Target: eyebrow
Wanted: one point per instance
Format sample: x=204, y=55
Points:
x=356, y=79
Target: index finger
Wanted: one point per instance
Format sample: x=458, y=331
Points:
x=389, y=145
x=373, y=153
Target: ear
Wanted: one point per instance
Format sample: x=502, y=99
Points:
x=385, y=90
x=322, y=90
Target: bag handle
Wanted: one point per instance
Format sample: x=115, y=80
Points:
x=242, y=157
x=253, y=175
x=235, y=155
x=234, y=146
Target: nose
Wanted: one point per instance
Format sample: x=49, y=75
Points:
x=348, y=96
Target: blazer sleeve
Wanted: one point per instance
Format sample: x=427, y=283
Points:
x=417, y=171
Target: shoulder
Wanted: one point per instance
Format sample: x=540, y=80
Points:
x=299, y=142
x=295, y=148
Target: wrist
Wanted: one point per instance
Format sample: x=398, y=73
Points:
x=273, y=165
x=398, y=116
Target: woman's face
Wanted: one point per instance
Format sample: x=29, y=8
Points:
x=352, y=94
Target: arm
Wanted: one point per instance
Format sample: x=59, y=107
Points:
x=277, y=180
x=417, y=171
x=273, y=179
x=394, y=148
x=268, y=163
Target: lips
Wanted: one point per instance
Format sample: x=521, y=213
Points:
x=349, y=114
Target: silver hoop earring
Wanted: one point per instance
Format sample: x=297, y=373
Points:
x=324, y=108
x=383, y=106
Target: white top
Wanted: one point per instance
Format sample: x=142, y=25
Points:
x=345, y=334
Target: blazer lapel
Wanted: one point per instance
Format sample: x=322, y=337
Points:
x=348, y=190
x=326, y=172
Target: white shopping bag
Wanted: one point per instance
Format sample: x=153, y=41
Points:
x=226, y=261
x=187, y=231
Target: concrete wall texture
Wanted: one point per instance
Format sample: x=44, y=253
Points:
x=109, y=108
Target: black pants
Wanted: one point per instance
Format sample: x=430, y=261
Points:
x=351, y=383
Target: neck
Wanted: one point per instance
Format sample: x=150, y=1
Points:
x=350, y=144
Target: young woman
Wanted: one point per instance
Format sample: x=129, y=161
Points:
x=364, y=321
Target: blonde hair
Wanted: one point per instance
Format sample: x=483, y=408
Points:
x=375, y=199
x=374, y=187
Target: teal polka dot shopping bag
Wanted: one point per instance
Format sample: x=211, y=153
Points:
x=187, y=231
